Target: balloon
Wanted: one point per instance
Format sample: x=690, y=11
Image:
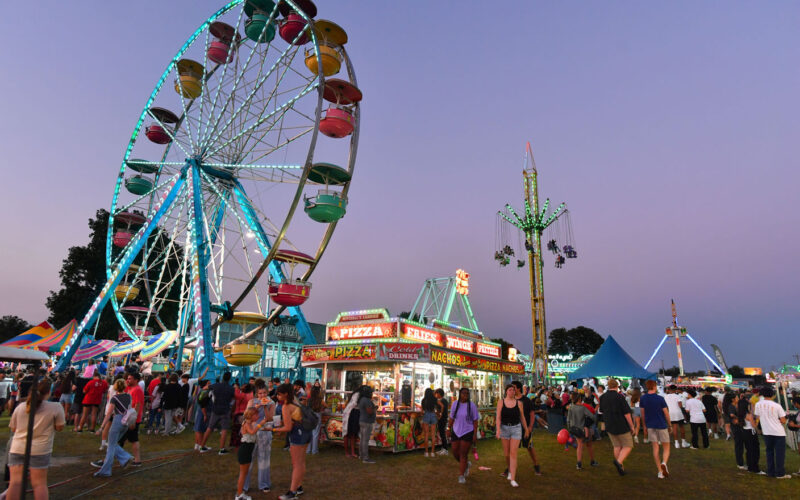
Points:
x=563, y=436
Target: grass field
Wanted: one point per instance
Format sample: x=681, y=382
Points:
x=172, y=471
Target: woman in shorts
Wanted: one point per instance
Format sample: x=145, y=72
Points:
x=463, y=424
x=48, y=418
x=429, y=420
x=298, y=438
x=511, y=425
x=67, y=395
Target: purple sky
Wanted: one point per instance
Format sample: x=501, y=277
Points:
x=671, y=130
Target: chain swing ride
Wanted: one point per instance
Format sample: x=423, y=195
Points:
x=531, y=226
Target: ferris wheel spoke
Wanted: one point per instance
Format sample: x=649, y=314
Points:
x=281, y=145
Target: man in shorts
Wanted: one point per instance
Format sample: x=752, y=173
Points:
x=222, y=393
x=618, y=422
x=137, y=401
x=676, y=416
x=530, y=418
x=655, y=414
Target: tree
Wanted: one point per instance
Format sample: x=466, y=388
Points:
x=577, y=341
x=736, y=371
x=503, y=347
x=407, y=315
x=11, y=326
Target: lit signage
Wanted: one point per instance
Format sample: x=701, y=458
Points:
x=512, y=354
x=750, y=371
x=467, y=362
x=560, y=357
x=487, y=349
x=462, y=282
x=317, y=354
x=460, y=330
x=365, y=315
x=368, y=331
x=422, y=334
x=458, y=343
x=403, y=352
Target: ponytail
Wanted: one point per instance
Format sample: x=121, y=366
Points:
x=43, y=390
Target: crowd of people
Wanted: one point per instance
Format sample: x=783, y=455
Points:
x=113, y=403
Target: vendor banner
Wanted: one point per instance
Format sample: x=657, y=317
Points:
x=322, y=354
x=468, y=362
x=365, y=331
x=403, y=352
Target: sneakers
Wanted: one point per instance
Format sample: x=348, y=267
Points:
x=728, y=438
x=204, y=449
x=368, y=461
x=636, y=439
x=537, y=470
x=716, y=436
x=181, y=428
x=427, y=454
x=196, y=447
x=677, y=444
x=620, y=470
x=469, y=466
x=694, y=448
x=514, y=484
x=289, y=495
x=265, y=490
x=578, y=466
x=761, y=473
x=796, y=473
x=97, y=463
x=686, y=444
x=661, y=475
x=664, y=469
x=646, y=441
x=594, y=463
x=243, y=496
x=461, y=480
x=504, y=473
x=787, y=476
x=136, y=464
x=103, y=445
x=223, y=451
x=741, y=467
x=442, y=452
x=300, y=490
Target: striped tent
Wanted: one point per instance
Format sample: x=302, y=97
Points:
x=93, y=350
x=57, y=341
x=36, y=333
x=158, y=343
x=125, y=348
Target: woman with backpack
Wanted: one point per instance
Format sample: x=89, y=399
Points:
x=293, y=418
x=201, y=415
x=123, y=419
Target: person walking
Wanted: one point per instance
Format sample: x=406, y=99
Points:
x=92, y=398
x=526, y=443
x=67, y=395
x=133, y=388
x=580, y=421
x=298, y=438
x=317, y=405
x=202, y=414
x=119, y=404
x=712, y=415
x=463, y=422
x=772, y=417
x=618, y=423
x=222, y=394
x=429, y=420
x=170, y=400
x=635, y=396
x=676, y=416
x=511, y=427
x=442, y=412
x=366, y=422
x=697, y=418
x=655, y=415
x=350, y=417
x=265, y=407
x=48, y=418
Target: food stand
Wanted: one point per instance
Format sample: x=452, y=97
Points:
x=401, y=358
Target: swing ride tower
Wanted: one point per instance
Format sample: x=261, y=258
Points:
x=531, y=224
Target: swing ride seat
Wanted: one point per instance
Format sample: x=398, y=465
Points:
x=338, y=122
x=244, y=353
x=292, y=27
x=341, y=92
x=122, y=238
x=331, y=60
x=190, y=80
x=129, y=219
x=290, y=293
x=142, y=166
x=327, y=206
x=138, y=185
x=122, y=290
x=254, y=7
x=254, y=28
x=157, y=134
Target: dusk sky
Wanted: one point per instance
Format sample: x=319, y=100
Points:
x=670, y=129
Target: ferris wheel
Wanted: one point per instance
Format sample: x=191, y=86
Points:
x=255, y=116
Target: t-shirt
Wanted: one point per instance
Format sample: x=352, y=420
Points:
x=171, y=396
x=183, y=396
x=710, y=402
x=527, y=408
x=153, y=383
x=47, y=417
x=25, y=386
x=673, y=403
x=769, y=414
x=102, y=368
x=695, y=408
x=5, y=388
x=223, y=395
x=463, y=417
x=366, y=410
x=120, y=403
x=137, y=398
x=445, y=408
x=653, y=406
x=88, y=372
x=93, y=391
x=614, y=408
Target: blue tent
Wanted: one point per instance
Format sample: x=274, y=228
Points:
x=611, y=360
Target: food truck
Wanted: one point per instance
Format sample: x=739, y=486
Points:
x=399, y=359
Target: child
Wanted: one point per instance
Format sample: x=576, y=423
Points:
x=245, y=454
x=579, y=420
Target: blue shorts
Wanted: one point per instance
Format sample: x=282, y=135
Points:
x=67, y=398
x=200, y=423
x=299, y=436
x=429, y=418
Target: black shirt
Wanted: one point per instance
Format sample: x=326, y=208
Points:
x=183, y=395
x=710, y=402
x=223, y=395
x=614, y=408
x=527, y=408
x=170, y=396
x=25, y=386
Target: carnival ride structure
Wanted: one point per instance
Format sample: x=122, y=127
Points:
x=219, y=160
x=446, y=300
x=677, y=332
x=531, y=225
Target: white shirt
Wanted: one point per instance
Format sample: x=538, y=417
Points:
x=695, y=408
x=769, y=413
x=675, y=412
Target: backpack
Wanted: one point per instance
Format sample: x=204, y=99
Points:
x=309, y=419
x=130, y=416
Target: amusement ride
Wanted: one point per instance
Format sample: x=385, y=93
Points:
x=531, y=225
x=255, y=116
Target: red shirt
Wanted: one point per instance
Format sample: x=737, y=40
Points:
x=137, y=398
x=93, y=391
x=153, y=383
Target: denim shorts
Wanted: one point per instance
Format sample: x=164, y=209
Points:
x=299, y=436
x=511, y=431
x=67, y=398
x=429, y=418
x=37, y=461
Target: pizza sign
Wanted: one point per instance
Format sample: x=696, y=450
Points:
x=487, y=349
x=367, y=331
x=316, y=354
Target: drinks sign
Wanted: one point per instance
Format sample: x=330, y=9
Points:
x=367, y=331
x=404, y=352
